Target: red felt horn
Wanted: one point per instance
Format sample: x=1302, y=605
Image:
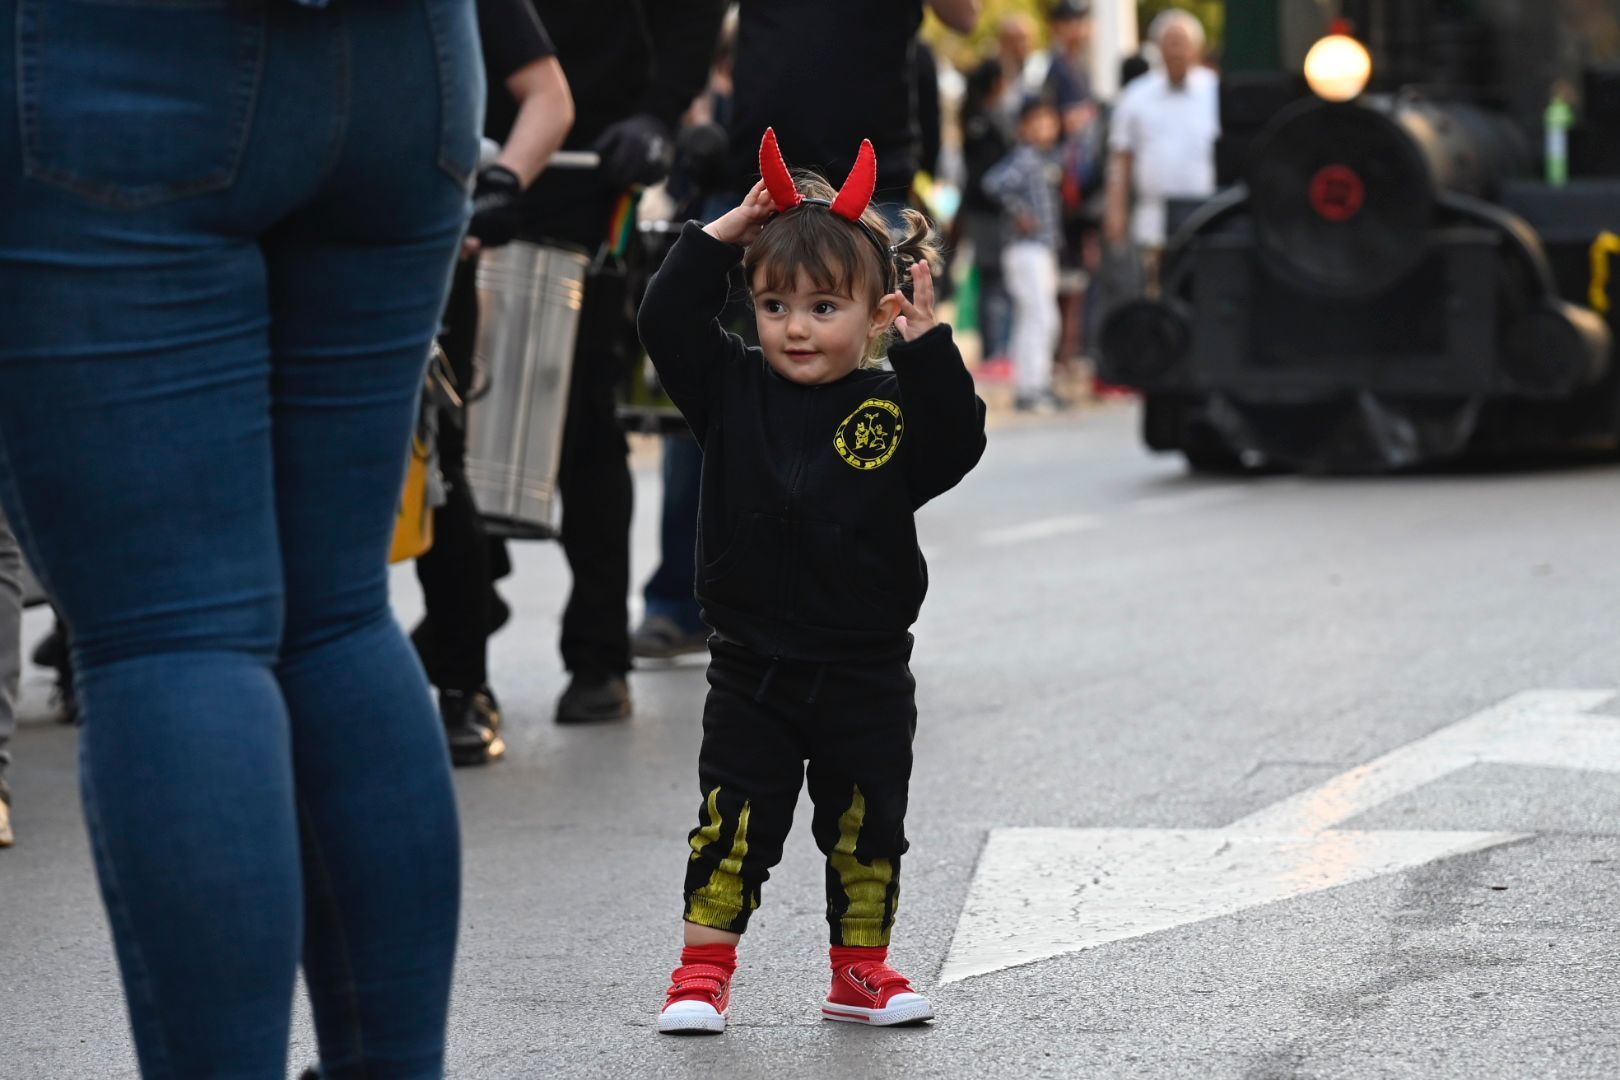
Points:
x=857, y=190
x=778, y=181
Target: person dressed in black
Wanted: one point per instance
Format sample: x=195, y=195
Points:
x=859, y=55
x=814, y=463
x=634, y=67
x=529, y=111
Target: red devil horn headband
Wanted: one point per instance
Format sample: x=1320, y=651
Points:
x=852, y=198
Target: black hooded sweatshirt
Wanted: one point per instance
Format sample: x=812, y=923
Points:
x=807, y=545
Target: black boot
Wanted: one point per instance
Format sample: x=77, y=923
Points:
x=53, y=652
x=592, y=698
x=472, y=726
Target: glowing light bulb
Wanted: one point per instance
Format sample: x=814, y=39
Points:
x=1338, y=67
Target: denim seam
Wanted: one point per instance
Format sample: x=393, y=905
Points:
x=139, y=981
x=344, y=93
x=351, y=990
x=30, y=54
x=441, y=59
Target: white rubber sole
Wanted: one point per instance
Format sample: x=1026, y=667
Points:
x=691, y=1018
x=904, y=1009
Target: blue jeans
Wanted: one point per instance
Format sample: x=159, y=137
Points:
x=227, y=234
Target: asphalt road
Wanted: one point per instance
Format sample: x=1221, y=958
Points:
x=1109, y=643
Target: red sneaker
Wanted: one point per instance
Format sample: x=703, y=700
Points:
x=869, y=991
x=699, y=995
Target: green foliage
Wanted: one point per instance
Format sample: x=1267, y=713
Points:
x=965, y=51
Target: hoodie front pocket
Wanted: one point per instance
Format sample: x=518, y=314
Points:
x=745, y=575
x=843, y=584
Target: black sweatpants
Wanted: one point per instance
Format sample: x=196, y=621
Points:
x=764, y=719
x=593, y=478
x=458, y=590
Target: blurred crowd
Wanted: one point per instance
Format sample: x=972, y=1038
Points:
x=1063, y=193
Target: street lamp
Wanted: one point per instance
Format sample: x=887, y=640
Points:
x=1338, y=66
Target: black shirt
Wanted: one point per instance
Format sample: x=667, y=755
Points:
x=807, y=544
x=621, y=57
x=631, y=56
x=512, y=39
x=826, y=74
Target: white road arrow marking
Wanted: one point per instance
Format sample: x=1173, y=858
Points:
x=1044, y=529
x=1040, y=893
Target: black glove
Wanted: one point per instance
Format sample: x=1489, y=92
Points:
x=636, y=150
x=497, y=206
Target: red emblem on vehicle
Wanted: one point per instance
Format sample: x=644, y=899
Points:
x=1337, y=192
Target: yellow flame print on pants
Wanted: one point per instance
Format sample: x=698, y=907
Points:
x=719, y=901
x=868, y=886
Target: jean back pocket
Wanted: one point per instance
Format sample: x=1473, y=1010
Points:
x=136, y=102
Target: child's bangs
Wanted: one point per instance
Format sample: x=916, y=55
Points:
x=812, y=244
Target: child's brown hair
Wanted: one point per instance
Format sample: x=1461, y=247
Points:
x=834, y=255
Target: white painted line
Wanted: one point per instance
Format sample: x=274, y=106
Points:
x=1187, y=500
x=1044, y=529
x=1540, y=727
x=1040, y=893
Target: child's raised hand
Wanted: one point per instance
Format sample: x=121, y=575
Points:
x=916, y=316
x=742, y=225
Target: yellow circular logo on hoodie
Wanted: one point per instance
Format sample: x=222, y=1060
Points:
x=869, y=436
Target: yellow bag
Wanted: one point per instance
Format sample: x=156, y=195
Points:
x=413, y=529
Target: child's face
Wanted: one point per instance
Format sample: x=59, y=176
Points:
x=1041, y=128
x=814, y=337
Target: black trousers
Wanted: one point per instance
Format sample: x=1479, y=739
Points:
x=593, y=476
x=764, y=719
x=593, y=479
x=458, y=593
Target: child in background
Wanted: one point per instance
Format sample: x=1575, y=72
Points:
x=814, y=462
x=1028, y=185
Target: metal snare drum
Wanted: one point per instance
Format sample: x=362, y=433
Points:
x=529, y=299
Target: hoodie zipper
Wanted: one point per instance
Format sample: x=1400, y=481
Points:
x=790, y=572
x=802, y=456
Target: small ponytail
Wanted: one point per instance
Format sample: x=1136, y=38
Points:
x=921, y=243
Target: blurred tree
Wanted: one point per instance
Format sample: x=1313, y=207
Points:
x=965, y=51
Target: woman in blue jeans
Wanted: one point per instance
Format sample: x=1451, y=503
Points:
x=226, y=232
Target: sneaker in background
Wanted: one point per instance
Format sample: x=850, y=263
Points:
x=593, y=699
x=472, y=726
x=660, y=637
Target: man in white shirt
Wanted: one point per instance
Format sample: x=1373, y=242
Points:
x=1162, y=138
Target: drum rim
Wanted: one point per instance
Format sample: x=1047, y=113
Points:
x=554, y=245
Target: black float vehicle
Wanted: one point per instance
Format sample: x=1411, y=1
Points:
x=1412, y=274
